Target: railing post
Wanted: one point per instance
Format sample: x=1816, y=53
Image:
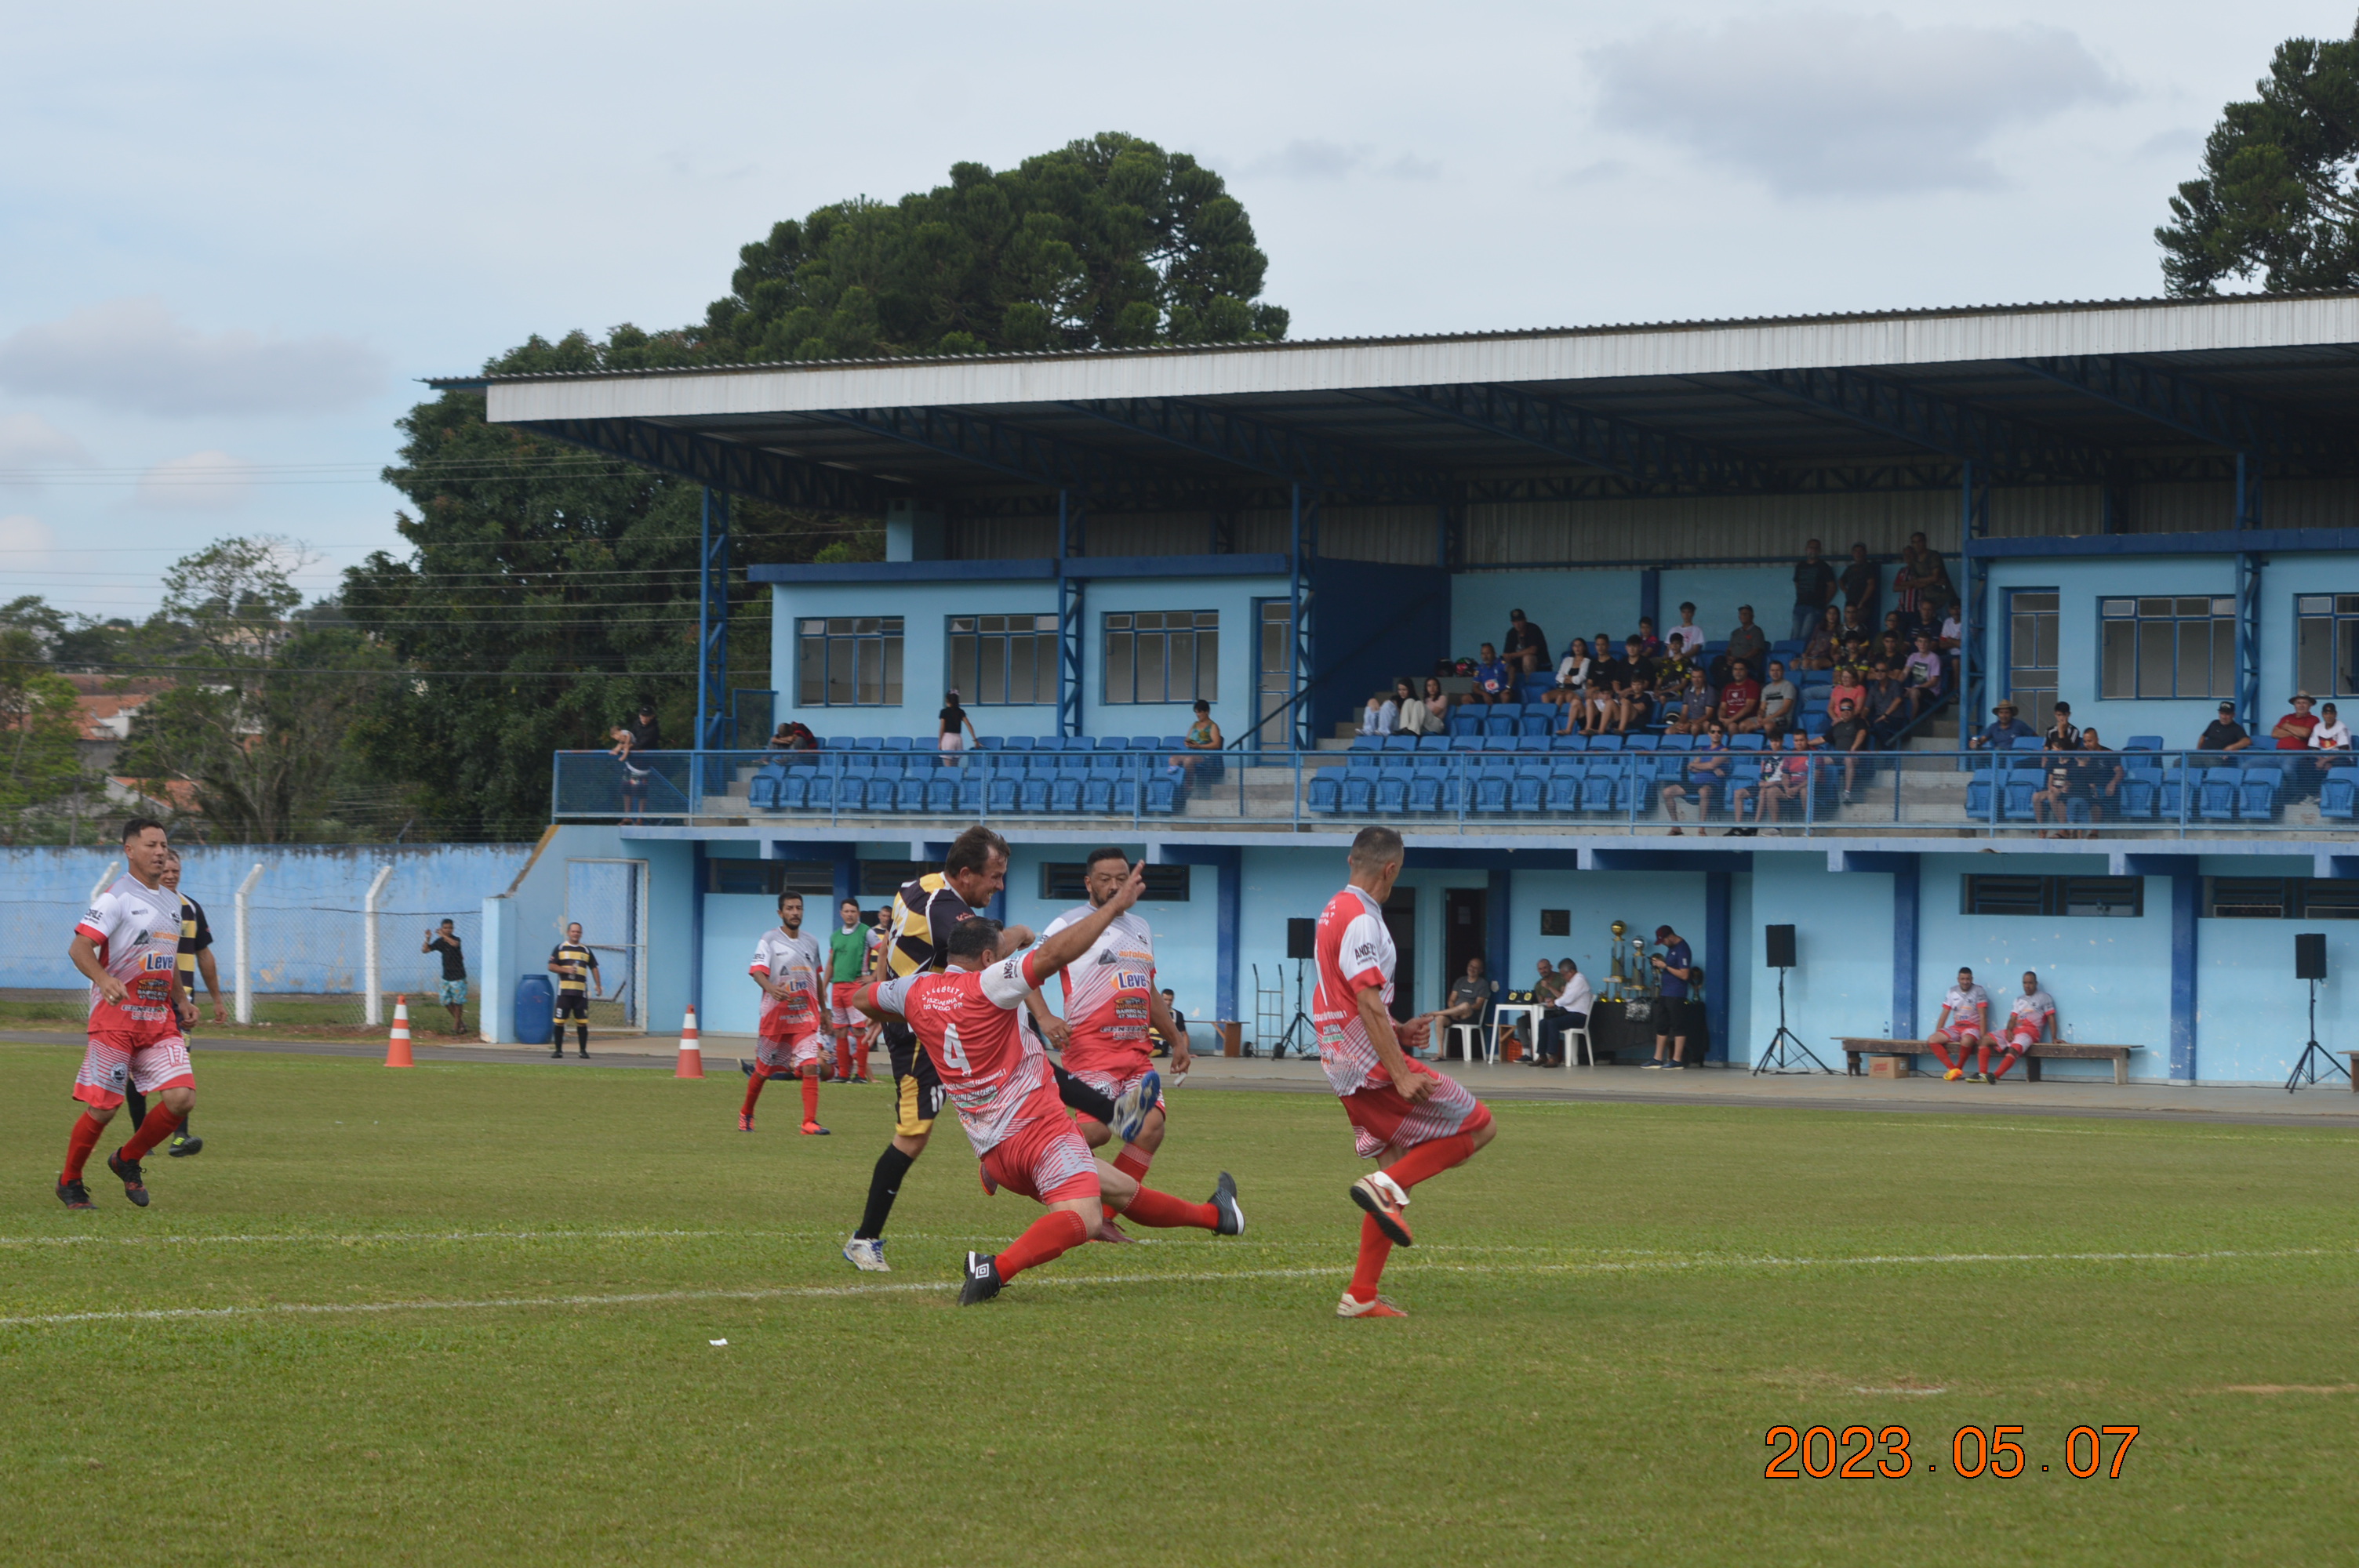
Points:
x=245, y=955
x=373, y=1007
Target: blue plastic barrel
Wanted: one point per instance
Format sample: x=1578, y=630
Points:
x=533, y=1006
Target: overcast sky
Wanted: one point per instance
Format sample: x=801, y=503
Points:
x=232, y=236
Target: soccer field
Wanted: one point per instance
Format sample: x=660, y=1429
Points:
x=468, y=1313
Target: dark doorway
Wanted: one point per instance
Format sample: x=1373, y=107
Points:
x=1466, y=930
x=1400, y=919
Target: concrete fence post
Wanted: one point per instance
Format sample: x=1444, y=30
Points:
x=105, y=880
x=374, y=1012
x=244, y=958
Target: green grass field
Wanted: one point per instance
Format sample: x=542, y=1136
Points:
x=465, y=1313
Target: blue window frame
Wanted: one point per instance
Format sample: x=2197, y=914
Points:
x=2180, y=646
x=1163, y=655
x=1004, y=661
x=2326, y=643
x=850, y=661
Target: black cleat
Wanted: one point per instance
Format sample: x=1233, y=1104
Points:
x=744, y=1066
x=558, y=1054
x=73, y=1194
x=981, y=1279
x=586, y=1054
x=1225, y=1199
x=130, y=1174
x=183, y=1145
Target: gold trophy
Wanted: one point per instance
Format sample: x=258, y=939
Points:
x=1619, y=977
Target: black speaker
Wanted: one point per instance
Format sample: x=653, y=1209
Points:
x=1778, y=946
x=1301, y=938
x=2309, y=956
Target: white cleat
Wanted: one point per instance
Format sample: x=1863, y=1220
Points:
x=1131, y=1106
x=866, y=1255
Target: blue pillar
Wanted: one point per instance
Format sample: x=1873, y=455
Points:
x=1228, y=907
x=698, y=878
x=2248, y=641
x=1496, y=946
x=1905, y=920
x=1650, y=599
x=847, y=881
x=1720, y=963
x=2186, y=896
x=1973, y=653
x=712, y=622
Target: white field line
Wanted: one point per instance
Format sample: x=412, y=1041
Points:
x=819, y=1293
x=377, y=1237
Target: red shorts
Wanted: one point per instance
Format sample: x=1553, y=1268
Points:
x=789, y=1054
x=1963, y=1033
x=1382, y=1119
x=1044, y=1159
x=839, y=1004
x=108, y=1067
x=2021, y=1038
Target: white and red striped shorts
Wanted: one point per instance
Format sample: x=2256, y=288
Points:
x=1382, y=1117
x=1045, y=1159
x=787, y=1055
x=108, y=1067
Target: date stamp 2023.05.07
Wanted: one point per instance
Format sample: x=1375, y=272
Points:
x=1862, y=1454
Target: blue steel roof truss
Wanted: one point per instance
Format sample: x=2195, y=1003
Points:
x=1280, y=451
x=2197, y=408
x=1653, y=461
x=2002, y=447
x=732, y=466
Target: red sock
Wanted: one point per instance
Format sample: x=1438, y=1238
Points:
x=810, y=1094
x=843, y=1058
x=1986, y=1058
x=1374, y=1247
x=1133, y=1162
x=752, y=1091
x=1431, y=1159
x=860, y=1055
x=1052, y=1235
x=1164, y=1212
x=2005, y=1062
x=1936, y=1046
x=161, y=1120
x=79, y=1143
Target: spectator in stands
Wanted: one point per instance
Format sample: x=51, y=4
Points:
x=1635, y=707
x=1572, y=678
x=1687, y=636
x=1859, y=624
x=1954, y=629
x=1179, y=1026
x=1892, y=649
x=1495, y=681
x=2292, y=731
x=1568, y=1008
x=2002, y=731
x=1921, y=570
x=2056, y=791
x=2224, y=733
x=1381, y=716
x=637, y=772
x=2332, y=734
x=1785, y=775
x=1740, y=699
x=1427, y=715
x=2097, y=777
x=1819, y=652
x=957, y=729
x=1601, y=703
x=793, y=736
x=1887, y=704
x=1649, y=644
x=1848, y=735
x=1202, y=736
x=1470, y=999
x=1748, y=642
x=1695, y=703
x=1921, y=674
x=1850, y=686
x=1526, y=652
x=1781, y=703
x=2062, y=736
x=1814, y=589
x=1862, y=581
x=1706, y=771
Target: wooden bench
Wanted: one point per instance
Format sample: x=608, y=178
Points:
x=2053, y=1051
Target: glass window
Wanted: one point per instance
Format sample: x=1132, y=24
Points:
x=1163, y=655
x=850, y=662
x=2326, y=643
x=2070, y=897
x=2167, y=647
x=1004, y=660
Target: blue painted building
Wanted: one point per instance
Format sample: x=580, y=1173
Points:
x=2146, y=508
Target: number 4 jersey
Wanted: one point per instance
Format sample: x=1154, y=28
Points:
x=1106, y=992
x=997, y=1074
x=137, y=932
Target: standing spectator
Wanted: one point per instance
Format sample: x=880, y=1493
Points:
x=2224, y=733
x=1675, y=1013
x=1740, y=699
x=1862, y=583
x=1569, y=1009
x=1687, y=637
x=647, y=735
x=1748, y=642
x=1921, y=571
x=1527, y=645
x=635, y=775
x=1431, y=711
x=445, y=945
x=957, y=728
x=1814, y=589
x=1648, y=643
x=1495, y=682
x=1780, y=702
x=2292, y=731
x=2002, y=731
x=2062, y=736
x=1382, y=716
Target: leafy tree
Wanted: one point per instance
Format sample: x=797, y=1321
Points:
x=2277, y=198
x=40, y=722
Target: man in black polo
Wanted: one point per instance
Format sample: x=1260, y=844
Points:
x=1814, y=589
x=1674, y=1006
x=2224, y=733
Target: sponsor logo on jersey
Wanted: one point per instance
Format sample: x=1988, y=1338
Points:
x=1132, y=980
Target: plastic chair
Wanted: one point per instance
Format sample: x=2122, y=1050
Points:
x=2256, y=799
x=899, y=743
x=2337, y=794
x=1568, y=743
x=2143, y=744
x=1400, y=744
x=1605, y=742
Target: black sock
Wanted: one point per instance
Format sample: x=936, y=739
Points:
x=883, y=1185
x=136, y=1104
x=1097, y=1107
x=581, y=1034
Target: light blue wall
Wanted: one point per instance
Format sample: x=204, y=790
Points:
x=1641, y=900
x=521, y=925
x=1231, y=597
x=1841, y=983
x=732, y=922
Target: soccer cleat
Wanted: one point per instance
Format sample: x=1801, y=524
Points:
x=813, y=1129
x=558, y=1054
x=1225, y=1199
x=1108, y=1230
x=182, y=1145
x=1384, y=1200
x=744, y=1066
x=73, y=1194
x=1953, y=1074
x=981, y=1279
x=866, y=1253
x=744, y=1121
x=130, y=1174
x=1351, y=1306
x=1978, y=1077
x=1131, y=1107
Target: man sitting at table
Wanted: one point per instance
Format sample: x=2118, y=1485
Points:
x=1469, y=1001
x=1569, y=1009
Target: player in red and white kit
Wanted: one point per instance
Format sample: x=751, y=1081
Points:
x=793, y=1027
x=1426, y=1123
x=128, y=945
x=999, y=1079
x=1964, y=1022
x=2031, y=1018
x=1110, y=1002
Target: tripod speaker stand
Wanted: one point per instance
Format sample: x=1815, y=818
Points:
x=2309, y=964
x=1301, y=938
x=1779, y=1056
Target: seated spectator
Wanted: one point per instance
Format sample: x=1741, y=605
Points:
x=1887, y=704
x=1847, y=734
x=1471, y=995
x=1495, y=682
x=1527, y=652
x=1572, y=675
x=2056, y=790
x=1814, y=589
x=1850, y=686
x=1921, y=674
x=1784, y=776
x=1740, y=699
x=1635, y=698
x=2332, y=734
x=1892, y=649
x=1858, y=625
x=1695, y=705
x=2062, y=736
x=1687, y=637
x=1781, y=703
x=1568, y=1008
x=2096, y=779
x=1601, y=702
x=2002, y=732
x=794, y=736
x=1825, y=640
x=1706, y=771
x=2224, y=733
x=1202, y=736
x=1648, y=643
x=1748, y=642
x=1427, y=715
x=1381, y=717
x=2292, y=731
x=1954, y=629
x=1862, y=581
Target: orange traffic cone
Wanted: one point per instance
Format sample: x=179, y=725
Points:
x=692, y=1055
x=397, y=1050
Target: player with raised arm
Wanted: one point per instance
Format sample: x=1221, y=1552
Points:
x=128, y=947
x=2030, y=1019
x=793, y=1026
x=998, y=1076
x=1964, y=1022
x=1399, y=1108
x=1109, y=1002
x=924, y=913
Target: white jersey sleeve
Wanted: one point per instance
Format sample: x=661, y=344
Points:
x=1008, y=981
x=893, y=996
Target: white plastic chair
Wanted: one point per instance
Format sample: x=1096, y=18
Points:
x=1468, y=1038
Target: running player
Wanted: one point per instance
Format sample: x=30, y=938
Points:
x=925, y=912
x=128, y=947
x=847, y=955
x=787, y=966
x=1006, y=1091
x=1399, y=1108
x=1110, y=1002
x=196, y=957
x=576, y=968
x=1964, y=1023
x=2030, y=1019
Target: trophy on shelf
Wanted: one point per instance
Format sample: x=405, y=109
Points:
x=1618, y=976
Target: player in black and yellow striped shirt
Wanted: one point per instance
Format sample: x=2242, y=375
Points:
x=576, y=968
x=196, y=956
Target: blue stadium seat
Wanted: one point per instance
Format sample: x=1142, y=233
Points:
x=1747, y=743
x=942, y=790
x=1537, y=719
x=916, y=783
x=1163, y=796
x=1466, y=742
x=1429, y=745
x=1144, y=743
x=1003, y=790
x=1493, y=789
x=1111, y=743
x=2019, y=791
x=2030, y=743
x=1359, y=790
x=1497, y=726
x=1978, y=797
x=2256, y=799
x=1564, y=786
x=986, y=742
x=2337, y=794
x=1400, y=742
x=2215, y=797
x=1641, y=742
x=1465, y=721
x=1034, y=796
x=1605, y=742
x=1322, y=791
x=1018, y=742
x=971, y=784
x=1366, y=743
x=2140, y=788
x=851, y=789
x=1392, y=791
x=898, y=743
x=1600, y=783
x=1532, y=787
x=868, y=743
x=762, y=793
x=2143, y=744
x=1569, y=743
x=837, y=743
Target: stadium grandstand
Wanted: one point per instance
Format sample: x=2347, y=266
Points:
x=2146, y=511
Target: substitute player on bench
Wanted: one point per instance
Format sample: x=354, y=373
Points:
x=2031, y=1018
x=1110, y=1002
x=999, y=1079
x=793, y=1026
x=1964, y=1023
x=1399, y=1108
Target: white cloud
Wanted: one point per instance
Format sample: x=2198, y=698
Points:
x=30, y=441
x=26, y=544
x=1825, y=105
x=1319, y=159
x=201, y=481
x=135, y=354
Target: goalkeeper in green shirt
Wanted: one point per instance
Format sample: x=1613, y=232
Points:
x=849, y=948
